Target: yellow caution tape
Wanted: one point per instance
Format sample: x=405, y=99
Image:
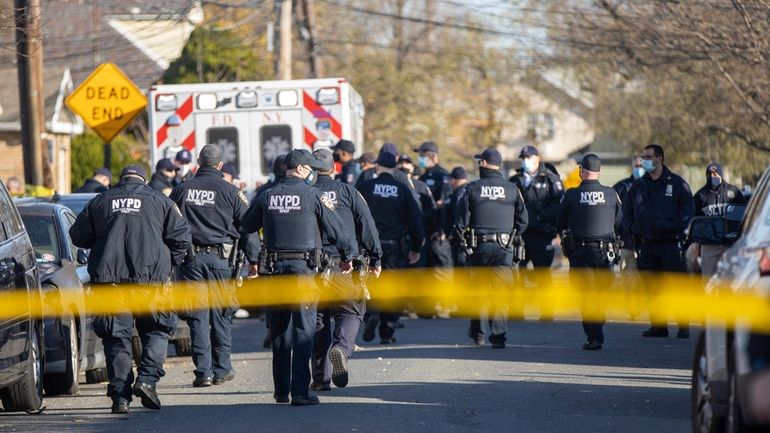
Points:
x=466, y=292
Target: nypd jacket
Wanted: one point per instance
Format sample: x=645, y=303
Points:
x=437, y=179
x=491, y=205
x=293, y=216
x=394, y=209
x=135, y=234
x=161, y=183
x=348, y=173
x=91, y=185
x=591, y=212
x=352, y=208
x=622, y=188
x=658, y=210
x=215, y=209
x=542, y=197
x=712, y=201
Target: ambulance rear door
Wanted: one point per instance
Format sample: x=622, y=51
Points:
x=275, y=128
x=229, y=130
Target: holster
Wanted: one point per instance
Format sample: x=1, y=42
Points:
x=471, y=242
x=567, y=243
x=519, y=251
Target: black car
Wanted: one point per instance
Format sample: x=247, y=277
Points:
x=71, y=346
x=22, y=347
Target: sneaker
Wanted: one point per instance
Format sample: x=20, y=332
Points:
x=655, y=332
x=241, y=314
x=371, y=326
x=120, y=405
x=478, y=338
x=305, y=400
x=230, y=375
x=202, y=382
x=683, y=333
x=592, y=345
x=320, y=386
x=339, y=367
x=147, y=394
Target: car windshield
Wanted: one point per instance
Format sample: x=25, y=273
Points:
x=76, y=202
x=42, y=233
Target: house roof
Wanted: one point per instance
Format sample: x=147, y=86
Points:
x=140, y=36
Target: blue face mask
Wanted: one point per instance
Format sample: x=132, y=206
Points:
x=715, y=181
x=422, y=162
x=529, y=165
x=311, y=178
x=271, y=178
x=649, y=165
x=638, y=172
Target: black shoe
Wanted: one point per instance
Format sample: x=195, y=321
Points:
x=120, y=405
x=202, y=382
x=281, y=398
x=230, y=375
x=147, y=394
x=304, y=400
x=683, y=333
x=320, y=386
x=655, y=332
x=592, y=345
x=498, y=344
x=339, y=367
x=267, y=343
x=477, y=337
x=371, y=325
x=390, y=340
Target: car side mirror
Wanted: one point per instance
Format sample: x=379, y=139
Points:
x=707, y=230
x=82, y=256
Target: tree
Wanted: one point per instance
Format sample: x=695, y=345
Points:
x=87, y=153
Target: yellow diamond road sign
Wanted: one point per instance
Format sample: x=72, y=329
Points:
x=107, y=101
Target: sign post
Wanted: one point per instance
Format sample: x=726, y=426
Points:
x=107, y=101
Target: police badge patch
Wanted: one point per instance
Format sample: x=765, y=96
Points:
x=243, y=198
x=730, y=194
x=326, y=201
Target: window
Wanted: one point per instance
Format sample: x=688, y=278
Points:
x=756, y=203
x=42, y=233
x=246, y=99
x=227, y=139
x=68, y=220
x=274, y=140
x=207, y=101
x=328, y=96
x=288, y=98
x=540, y=126
x=9, y=218
x=165, y=103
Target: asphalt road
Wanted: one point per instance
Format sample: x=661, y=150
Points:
x=434, y=380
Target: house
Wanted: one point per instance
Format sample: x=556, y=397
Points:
x=141, y=36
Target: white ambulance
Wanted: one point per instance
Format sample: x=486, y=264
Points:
x=254, y=121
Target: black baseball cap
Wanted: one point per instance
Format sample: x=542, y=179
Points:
x=298, y=157
x=345, y=145
x=368, y=157
x=491, y=156
x=427, y=146
x=458, y=173
x=184, y=156
x=165, y=164
x=230, y=169
x=387, y=160
x=404, y=158
x=135, y=170
x=104, y=172
x=528, y=150
x=325, y=159
x=389, y=148
x=591, y=162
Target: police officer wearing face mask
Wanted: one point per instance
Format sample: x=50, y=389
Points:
x=343, y=153
x=657, y=213
x=294, y=215
x=163, y=178
x=333, y=348
x=136, y=235
x=591, y=213
x=627, y=252
x=183, y=161
x=712, y=200
x=438, y=180
x=489, y=213
x=215, y=209
x=395, y=212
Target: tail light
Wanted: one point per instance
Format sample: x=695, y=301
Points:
x=764, y=263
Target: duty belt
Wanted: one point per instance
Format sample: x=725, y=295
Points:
x=389, y=242
x=599, y=244
x=494, y=237
x=222, y=250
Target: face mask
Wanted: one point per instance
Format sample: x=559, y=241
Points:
x=336, y=157
x=271, y=178
x=422, y=162
x=649, y=165
x=311, y=178
x=715, y=181
x=357, y=169
x=638, y=172
x=529, y=165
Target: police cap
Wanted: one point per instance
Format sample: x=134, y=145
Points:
x=528, y=151
x=134, y=170
x=387, y=160
x=389, y=148
x=104, y=172
x=367, y=157
x=591, y=162
x=230, y=169
x=345, y=145
x=458, y=173
x=184, y=156
x=491, y=156
x=165, y=164
x=325, y=159
x=298, y=157
x=427, y=146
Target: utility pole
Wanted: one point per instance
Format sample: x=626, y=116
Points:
x=309, y=33
x=284, y=60
x=29, y=65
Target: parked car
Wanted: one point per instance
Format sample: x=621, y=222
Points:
x=71, y=346
x=22, y=347
x=722, y=364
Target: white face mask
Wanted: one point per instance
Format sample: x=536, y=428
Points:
x=183, y=170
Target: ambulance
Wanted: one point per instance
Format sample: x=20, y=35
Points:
x=254, y=121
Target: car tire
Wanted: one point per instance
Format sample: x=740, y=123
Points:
x=136, y=349
x=734, y=421
x=67, y=382
x=183, y=347
x=703, y=418
x=98, y=375
x=27, y=394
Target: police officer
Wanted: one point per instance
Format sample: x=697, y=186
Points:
x=426, y=203
x=279, y=172
x=590, y=213
x=490, y=213
x=215, y=209
x=712, y=200
x=542, y=191
x=100, y=182
x=394, y=208
x=183, y=160
x=163, y=178
x=657, y=212
x=343, y=153
x=438, y=180
x=332, y=349
x=293, y=215
x=367, y=165
x=458, y=180
x=627, y=251
x=136, y=235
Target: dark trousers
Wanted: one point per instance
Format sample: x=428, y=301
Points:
x=347, y=314
x=583, y=260
x=493, y=256
x=661, y=257
x=459, y=257
x=116, y=331
x=392, y=258
x=540, y=252
x=208, y=277
x=440, y=253
x=292, y=330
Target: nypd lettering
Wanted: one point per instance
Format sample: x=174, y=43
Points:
x=493, y=192
x=126, y=205
x=331, y=196
x=385, y=191
x=592, y=198
x=197, y=197
x=284, y=204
